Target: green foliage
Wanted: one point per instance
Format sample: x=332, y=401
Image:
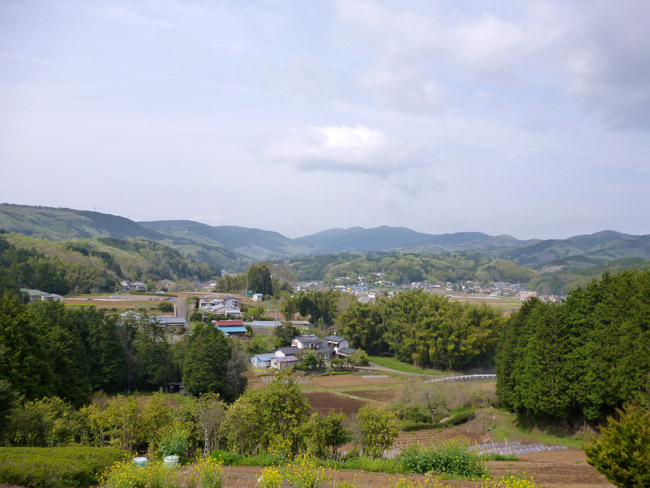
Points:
x=90, y=265
x=56, y=467
x=45, y=423
x=581, y=359
x=425, y=330
x=283, y=334
x=132, y=423
x=206, y=358
x=359, y=358
x=324, y=435
x=622, y=453
x=174, y=440
x=262, y=419
x=205, y=473
x=259, y=280
x=378, y=429
x=319, y=306
x=449, y=457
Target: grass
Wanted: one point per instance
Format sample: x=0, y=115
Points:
x=393, y=363
x=506, y=429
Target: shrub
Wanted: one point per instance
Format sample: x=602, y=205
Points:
x=449, y=457
x=56, y=467
x=174, y=440
x=378, y=429
x=304, y=473
x=206, y=473
x=622, y=453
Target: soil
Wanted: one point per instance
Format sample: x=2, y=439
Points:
x=352, y=380
x=324, y=403
x=384, y=396
x=553, y=469
x=557, y=469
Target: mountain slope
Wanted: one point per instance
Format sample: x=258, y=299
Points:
x=65, y=224
x=358, y=239
x=254, y=243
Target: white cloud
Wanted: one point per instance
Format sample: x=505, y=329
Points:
x=348, y=149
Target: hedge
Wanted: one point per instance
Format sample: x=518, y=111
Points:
x=57, y=467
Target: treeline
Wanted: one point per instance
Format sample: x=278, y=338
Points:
x=426, y=330
x=582, y=359
x=273, y=421
x=266, y=278
x=404, y=268
x=51, y=351
x=90, y=265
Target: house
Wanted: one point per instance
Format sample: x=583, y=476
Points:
x=234, y=331
x=138, y=286
x=172, y=324
x=231, y=302
x=35, y=295
x=286, y=351
x=262, y=360
x=337, y=342
x=234, y=328
x=306, y=342
x=301, y=324
x=258, y=297
x=228, y=323
x=312, y=343
x=345, y=352
x=282, y=363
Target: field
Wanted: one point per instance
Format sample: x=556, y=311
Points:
x=347, y=393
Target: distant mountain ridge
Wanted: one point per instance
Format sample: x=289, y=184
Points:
x=233, y=248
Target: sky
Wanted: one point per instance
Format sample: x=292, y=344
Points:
x=530, y=119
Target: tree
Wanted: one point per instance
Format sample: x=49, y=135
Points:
x=378, y=429
x=23, y=345
x=206, y=361
x=284, y=410
x=622, y=453
x=259, y=280
x=324, y=435
x=283, y=334
x=210, y=413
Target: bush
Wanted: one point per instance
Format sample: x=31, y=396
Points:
x=175, y=440
x=622, y=453
x=205, y=473
x=56, y=467
x=449, y=457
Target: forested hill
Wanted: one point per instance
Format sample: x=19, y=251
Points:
x=254, y=243
x=59, y=224
x=91, y=265
x=554, y=265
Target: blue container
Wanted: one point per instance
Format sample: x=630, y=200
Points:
x=171, y=461
x=140, y=461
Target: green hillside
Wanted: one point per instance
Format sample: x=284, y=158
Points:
x=91, y=265
x=254, y=243
x=57, y=224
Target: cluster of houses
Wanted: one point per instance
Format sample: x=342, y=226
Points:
x=135, y=286
x=287, y=357
x=226, y=306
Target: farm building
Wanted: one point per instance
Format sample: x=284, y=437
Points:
x=287, y=362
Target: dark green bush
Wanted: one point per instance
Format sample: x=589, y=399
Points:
x=449, y=457
x=56, y=467
x=458, y=417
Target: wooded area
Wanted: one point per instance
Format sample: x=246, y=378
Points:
x=582, y=359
